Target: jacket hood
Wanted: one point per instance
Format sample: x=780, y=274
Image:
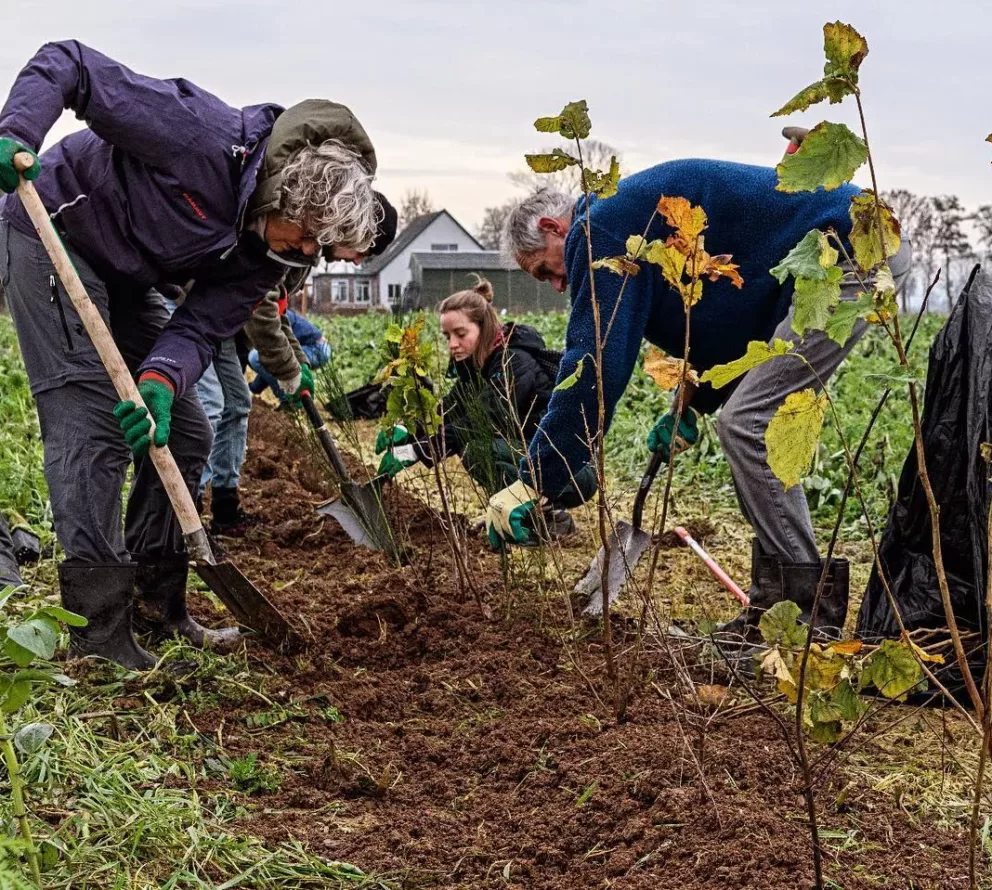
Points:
x=310, y=122
x=523, y=336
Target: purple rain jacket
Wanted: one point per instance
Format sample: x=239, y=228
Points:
x=158, y=187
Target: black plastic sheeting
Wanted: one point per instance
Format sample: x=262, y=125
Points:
x=956, y=416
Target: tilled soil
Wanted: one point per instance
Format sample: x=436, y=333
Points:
x=478, y=751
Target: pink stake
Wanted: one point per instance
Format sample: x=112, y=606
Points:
x=711, y=564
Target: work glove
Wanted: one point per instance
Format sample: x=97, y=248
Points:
x=8, y=173
x=509, y=517
x=400, y=453
x=299, y=386
x=397, y=434
x=665, y=439
x=158, y=395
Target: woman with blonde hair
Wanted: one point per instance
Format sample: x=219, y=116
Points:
x=503, y=379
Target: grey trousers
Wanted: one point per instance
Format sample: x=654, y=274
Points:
x=780, y=518
x=9, y=573
x=86, y=458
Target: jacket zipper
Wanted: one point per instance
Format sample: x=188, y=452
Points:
x=57, y=300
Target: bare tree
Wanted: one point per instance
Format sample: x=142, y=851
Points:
x=413, y=204
x=982, y=220
x=490, y=232
x=596, y=155
x=951, y=240
x=919, y=225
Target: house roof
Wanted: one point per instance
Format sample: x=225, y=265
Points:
x=403, y=240
x=467, y=260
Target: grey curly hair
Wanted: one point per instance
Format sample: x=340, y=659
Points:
x=520, y=232
x=327, y=189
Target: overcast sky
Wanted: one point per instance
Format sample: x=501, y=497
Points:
x=448, y=89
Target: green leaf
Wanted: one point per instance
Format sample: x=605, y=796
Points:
x=602, y=184
x=892, y=669
x=821, y=708
x=551, y=163
x=36, y=635
x=829, y=156
x=15, y=696
x=572, y=123
x=846, y=313
x=810, y=258
x=867, y=237
x=825, y=733
x=780, y=626
x=63, y=615
x=846, y=700
x=832, y=88
x=572, y=378
x=394, y=334
x=814, y=299
x=758, y=352
x=792, y=435
x=31, y=737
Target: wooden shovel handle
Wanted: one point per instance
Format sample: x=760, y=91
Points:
x=120, y=376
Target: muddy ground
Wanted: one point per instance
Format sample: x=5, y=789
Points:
x=478, y=752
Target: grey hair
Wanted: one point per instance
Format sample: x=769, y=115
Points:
x=327, y=189
x=520, y=232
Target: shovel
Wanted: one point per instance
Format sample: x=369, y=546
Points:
x=359, y=509
x=626, y=545
x=248, y=605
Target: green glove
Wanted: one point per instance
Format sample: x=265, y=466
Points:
x=395, y=435
x=398, y=458
x=663, y=437
x=158, y=395
x=508, y=514
x=8, y=174
x=306, y=386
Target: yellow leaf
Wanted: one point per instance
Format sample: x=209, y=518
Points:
x=712, y=696
x=923, y=655
x=866, y=239
x=670, y=259
x=775, y=666
x=691, y=292
x=847, y=647
x=792, y=435
x=687, y=220
x=621, y=265
x=758, y=352
x=845, y=50
x=665, y=370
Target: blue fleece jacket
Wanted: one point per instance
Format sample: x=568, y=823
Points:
x=306, y=332
x=748, y=218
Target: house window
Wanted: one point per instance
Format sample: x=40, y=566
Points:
x=395, y=293
x=363, y=291
x=436, y=248
x=339, y=291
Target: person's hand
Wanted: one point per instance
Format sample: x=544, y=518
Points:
x=397, y=459
x=158, y=396
x=509, y=517
x=664, y=437
x=397, y=434
x=304, y=386
x=8, y=172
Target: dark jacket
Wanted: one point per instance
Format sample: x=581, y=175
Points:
x=158, y=187
x=505, y=399
x=748, y=218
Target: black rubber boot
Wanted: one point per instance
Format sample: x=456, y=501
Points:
x=104, y=595
x=229, y=520
x=161, y=600
x=766, y=590
x=800, y=581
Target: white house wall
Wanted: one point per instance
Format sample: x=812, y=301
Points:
x=443, y=230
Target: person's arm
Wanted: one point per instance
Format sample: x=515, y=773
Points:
x=154, y=120
x=271, y=334
x=211, y=313
x=561, y=446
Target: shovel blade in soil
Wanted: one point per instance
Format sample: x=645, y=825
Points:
x=626, y=545
x=344, y=516
x=247, y=603
x=359, y=511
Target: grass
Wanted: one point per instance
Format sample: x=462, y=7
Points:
x=128, y=792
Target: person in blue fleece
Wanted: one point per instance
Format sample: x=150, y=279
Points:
x=758, y=225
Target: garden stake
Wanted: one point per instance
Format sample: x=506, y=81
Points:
x=248, y=604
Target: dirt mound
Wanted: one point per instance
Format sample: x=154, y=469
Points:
x=445, y=749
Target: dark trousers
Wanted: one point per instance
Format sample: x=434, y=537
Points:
x=86, y=458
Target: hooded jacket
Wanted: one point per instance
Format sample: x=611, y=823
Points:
x=157, y=188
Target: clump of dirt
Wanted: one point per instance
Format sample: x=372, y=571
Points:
x=445, y=749
x=699, y=530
